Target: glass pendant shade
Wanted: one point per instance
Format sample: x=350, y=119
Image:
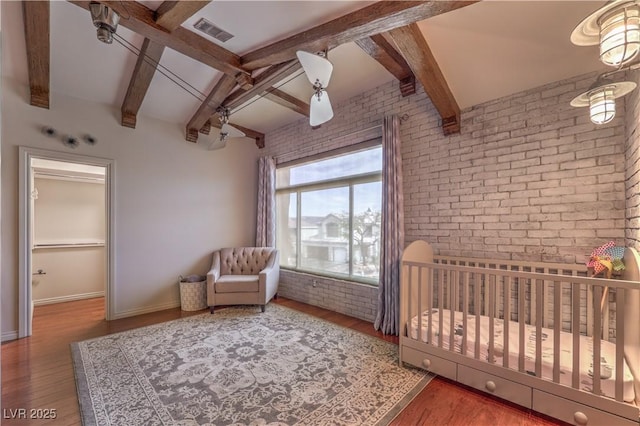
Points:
x=320, y=109
x=601, y=98
x=620, y=35
x=602, y=105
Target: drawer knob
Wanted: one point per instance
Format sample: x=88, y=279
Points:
x=580, y=418
x=426, y=363
x=490, y=385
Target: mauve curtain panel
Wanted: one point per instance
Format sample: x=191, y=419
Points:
x=392, y=243
x=266, y=224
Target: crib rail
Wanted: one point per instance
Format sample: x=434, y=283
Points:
x=575, y=270
x=508, y=296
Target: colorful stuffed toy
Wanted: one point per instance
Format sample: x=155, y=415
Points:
x=606, y=258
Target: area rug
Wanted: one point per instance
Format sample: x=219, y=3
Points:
x=242, y=367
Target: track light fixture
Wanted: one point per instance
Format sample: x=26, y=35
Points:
x=105, y=19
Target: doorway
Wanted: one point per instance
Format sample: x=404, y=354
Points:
x=51, y=244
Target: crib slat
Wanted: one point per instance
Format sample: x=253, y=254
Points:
x=408, y=269
x=557, y=329
x=431, y=275
x=476, y=307
x=521, y=318
x=589, y=310
x=492, y=304
x=506, y=321
x=534, y=303
x=420, y=307
x=605, y=312
x=465, y=310
x=440, y=305
x=575, y=331
x=597, y=333
x=539, y=307
x=452, y=309
x=619, y=379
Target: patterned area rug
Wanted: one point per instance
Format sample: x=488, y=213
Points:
x=242, y=367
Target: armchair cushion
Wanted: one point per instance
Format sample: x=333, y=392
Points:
x=237, y=284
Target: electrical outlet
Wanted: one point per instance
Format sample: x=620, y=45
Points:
x=315, y=283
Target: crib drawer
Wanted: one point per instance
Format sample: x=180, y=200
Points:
x=503, y=388
x=573, y=412
x=431, y=363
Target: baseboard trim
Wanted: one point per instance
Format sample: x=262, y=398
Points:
x=146, y=310
x=70, y=298
x=9, y=335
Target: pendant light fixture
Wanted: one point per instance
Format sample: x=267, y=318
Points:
x=600, y=98
x=616, y=28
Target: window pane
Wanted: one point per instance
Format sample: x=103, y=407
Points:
x=356, y=163
x=324, y=230
x=286, y=228
x=367, y=201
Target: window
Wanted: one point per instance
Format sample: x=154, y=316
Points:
x=328, y=215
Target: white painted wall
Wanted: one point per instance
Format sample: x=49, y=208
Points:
x=68, y=212
x=72, y=273
x=175, y=201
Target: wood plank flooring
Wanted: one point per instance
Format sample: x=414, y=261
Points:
x=37, y=372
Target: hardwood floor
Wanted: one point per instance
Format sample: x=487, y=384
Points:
x=37, y=372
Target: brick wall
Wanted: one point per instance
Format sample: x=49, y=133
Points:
x=633, y=166
x=529, y=177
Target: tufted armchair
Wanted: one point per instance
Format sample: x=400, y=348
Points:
x=243, y=276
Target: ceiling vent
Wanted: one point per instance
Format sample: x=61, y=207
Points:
x=211, y=30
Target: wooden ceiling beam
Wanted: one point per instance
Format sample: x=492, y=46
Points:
x=171, y=14
x=220, y=91
x=262, y=82
x=142, y=21
x=143, y=73
x=381, y=49
x=377, y=18
x=36, y=31
x=286, y=100
x=415, y=49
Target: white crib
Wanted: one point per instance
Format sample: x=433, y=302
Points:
x=527, y=332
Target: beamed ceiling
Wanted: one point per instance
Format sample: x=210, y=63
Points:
x=460, y=52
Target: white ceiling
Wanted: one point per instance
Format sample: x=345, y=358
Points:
x=486, y=51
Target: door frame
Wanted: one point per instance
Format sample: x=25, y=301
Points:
x=25, y=213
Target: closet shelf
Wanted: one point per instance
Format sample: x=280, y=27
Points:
x=67, y=245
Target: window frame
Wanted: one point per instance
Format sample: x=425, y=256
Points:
x=341, y=182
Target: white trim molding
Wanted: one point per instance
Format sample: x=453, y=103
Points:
x=9, y=335
x=146, y=310
x=26, y=154
x=70, y=298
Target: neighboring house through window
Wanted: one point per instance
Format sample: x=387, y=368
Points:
x=328, y=215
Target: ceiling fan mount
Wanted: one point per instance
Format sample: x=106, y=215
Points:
x=105, y=20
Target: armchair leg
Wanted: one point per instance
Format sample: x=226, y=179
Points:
x=211, y=309
x=275, y=296
x=262, y=307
